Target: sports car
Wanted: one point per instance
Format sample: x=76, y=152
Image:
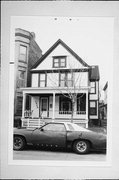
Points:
x=62, y=134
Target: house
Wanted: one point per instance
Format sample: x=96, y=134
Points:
x=61, y=83
x=103, y=107
x=27, y=53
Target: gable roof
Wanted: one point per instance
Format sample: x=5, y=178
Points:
x=66, y=47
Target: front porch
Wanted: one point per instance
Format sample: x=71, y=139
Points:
x=42, y=107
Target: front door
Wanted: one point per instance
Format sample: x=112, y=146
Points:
x=44, y=107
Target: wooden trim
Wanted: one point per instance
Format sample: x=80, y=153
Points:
x=59, y=70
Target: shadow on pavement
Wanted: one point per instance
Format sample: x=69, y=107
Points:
x=57, y=149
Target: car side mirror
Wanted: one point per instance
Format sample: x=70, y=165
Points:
x=42, y=129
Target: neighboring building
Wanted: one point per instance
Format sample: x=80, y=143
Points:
x=103, y=107
x=59, y=73
x=27, y=53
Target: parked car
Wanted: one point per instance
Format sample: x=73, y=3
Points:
x=62, y=134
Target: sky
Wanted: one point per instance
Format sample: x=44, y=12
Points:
x=90, y=37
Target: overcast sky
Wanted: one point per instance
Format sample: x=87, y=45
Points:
x=90, y=37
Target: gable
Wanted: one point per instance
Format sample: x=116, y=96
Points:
x=59, y=49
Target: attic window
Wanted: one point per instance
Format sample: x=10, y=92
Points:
x=59, y=61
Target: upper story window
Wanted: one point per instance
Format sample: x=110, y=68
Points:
x=59, y=61
x=42, y=80
x=66, y=79
x=21, y=79
x=93, y=87
x=23, y=53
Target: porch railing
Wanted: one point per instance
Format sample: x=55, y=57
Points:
x=28, y=113
x=69, y=112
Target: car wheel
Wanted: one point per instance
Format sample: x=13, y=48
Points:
x=81, y=146
x=19, y=143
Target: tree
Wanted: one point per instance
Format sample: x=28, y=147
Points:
x=69, y=86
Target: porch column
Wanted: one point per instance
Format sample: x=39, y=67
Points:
x=87, y=109
x=53, y=109
x=23, y=104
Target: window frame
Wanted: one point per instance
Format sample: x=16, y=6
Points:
x=64, y=99
x=21, y=54
x=93, y=87
x=39, y=80
x=54, y=125
x=95, y=112
x=66, y=80
x=79, y=102
x=59, y=58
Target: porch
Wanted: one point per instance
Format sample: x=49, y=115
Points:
x=42, y=107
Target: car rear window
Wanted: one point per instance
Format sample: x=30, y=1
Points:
x=70, y=127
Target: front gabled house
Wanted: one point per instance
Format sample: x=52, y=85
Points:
x=63, y=88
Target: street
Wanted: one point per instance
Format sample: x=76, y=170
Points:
x=32, y=153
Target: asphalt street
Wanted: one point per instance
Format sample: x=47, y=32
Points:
x=33, y=153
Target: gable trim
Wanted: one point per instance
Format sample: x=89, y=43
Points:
x=66, y=47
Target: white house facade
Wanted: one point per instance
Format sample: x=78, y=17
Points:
x=63, y=88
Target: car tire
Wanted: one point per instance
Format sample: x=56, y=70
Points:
x=19, y=143
x=81, y=147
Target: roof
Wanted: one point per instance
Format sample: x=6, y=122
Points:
x=105, y=87
x=94, y=73
x=66, y=47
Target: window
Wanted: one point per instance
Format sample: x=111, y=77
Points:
x=59, y=62
x=65, y=106
x=70, y=127
x=69, y=81
x=93, y=107
x=54, y=127
x=93, y=87
x=81, y=104
x=62, y=79
x=23, y=53
x=66, y=80
x=21, y=79
x=42, y=80
x=35, y=80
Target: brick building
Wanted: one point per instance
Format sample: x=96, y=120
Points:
x=27, y=53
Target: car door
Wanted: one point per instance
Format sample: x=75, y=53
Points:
x=50, y=134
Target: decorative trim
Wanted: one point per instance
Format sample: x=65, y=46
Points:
x=21, y=41
x=23, y=35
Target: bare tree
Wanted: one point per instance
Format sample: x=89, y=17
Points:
x=71, y=86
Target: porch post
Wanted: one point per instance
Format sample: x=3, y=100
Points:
x=53, y=113
x=86, y=109
x=23, y=104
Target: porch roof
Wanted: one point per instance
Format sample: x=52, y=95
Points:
x=50, y=90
